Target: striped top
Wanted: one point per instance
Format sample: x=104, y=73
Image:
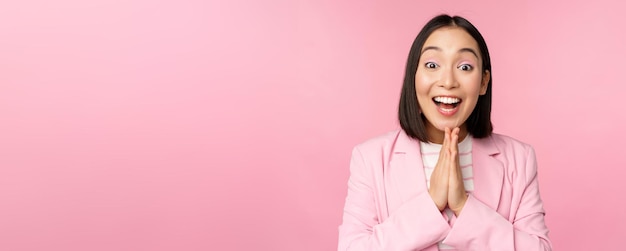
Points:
x=430, y=156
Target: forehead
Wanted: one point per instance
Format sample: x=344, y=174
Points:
x=451, y=39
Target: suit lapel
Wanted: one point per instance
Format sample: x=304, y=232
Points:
x=406, y=171
x=488, y=172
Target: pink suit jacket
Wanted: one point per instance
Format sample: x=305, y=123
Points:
x=388, y=206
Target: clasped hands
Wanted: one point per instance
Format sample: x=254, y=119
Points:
x=446, y=181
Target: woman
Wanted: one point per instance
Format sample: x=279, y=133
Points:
x=444, y=181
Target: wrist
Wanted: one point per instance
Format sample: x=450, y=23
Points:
x=457, y=210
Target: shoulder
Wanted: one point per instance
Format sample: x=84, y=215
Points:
x=509, y=144
x=379, y=142
x=515, y=154
x=378, y=149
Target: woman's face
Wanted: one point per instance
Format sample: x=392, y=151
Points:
x=448, y=80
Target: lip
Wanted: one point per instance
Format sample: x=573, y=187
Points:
x=444, y=111
x=448, y=112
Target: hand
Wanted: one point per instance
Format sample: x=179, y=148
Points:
x=446, y=181
x=457, y=195
x=439, y=179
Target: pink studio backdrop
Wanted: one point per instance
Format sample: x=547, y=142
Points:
x=195, y=125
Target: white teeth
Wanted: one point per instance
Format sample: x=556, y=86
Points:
x=447, y=100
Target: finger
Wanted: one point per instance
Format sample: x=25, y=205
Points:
x=442, y=152
x=455, y=131
x=456, y=148
x=446, y=139
x=454, y=141
x=455, y=172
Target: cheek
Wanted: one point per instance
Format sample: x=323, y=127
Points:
x=473, y=85
x=422, y=84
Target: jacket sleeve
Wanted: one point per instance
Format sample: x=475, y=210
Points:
x=417, y=224
x=480, y=227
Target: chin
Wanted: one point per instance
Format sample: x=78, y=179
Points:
x=441, y=125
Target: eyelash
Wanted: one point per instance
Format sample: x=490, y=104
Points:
x=469, y=67
x=431, y=65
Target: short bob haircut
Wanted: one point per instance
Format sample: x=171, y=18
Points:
x=411, y=118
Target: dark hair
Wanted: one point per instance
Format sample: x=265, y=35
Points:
x=411, y=120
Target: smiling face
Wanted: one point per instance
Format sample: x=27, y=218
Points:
x=448, y=80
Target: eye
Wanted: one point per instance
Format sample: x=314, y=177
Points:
x=465, y=67
x=431, y=65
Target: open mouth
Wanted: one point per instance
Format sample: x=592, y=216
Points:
x=447, y=103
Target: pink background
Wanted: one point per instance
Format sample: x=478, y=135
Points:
x=195, y=125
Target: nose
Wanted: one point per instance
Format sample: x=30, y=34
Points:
x=447, y=79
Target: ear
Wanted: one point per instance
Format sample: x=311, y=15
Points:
x=485, y=82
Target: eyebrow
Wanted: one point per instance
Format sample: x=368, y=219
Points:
x=460, y=50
